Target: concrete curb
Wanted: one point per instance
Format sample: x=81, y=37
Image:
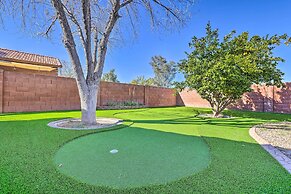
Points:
x=105, y=123
x=275, y=153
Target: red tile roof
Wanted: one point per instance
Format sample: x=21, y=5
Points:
x=22, y=57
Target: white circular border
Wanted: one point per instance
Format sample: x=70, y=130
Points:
x=114, y=122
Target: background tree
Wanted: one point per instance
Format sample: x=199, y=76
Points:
x=90, y=24
x=110, y=76
x=221, y=71
x=164, y=71
x=66, y=70
x=141, y=80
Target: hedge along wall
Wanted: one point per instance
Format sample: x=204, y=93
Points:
x=261, y=99
x=30, y=92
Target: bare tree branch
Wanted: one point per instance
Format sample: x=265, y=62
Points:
x=131, y=20
x=88, y=52
x=69, y=43
x=148, y=6
x=75, y=21
x=126, y=2
x=167, y=9
x=50, y=26
x=102, y=48
x=95, y=46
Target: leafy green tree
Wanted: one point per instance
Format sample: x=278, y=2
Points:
x=164, y=71
x=110, y=76
x=221, y=71
x=141, y=80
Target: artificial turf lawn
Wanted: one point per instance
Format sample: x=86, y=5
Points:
x=237, y=163
x=145, y=157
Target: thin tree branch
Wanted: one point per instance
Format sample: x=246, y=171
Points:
x=131, y=20
x=75, y=21
x=168, y=9
x=126, y=2
x=95, y=46
x=50, y=26
x=102, y=47
x=148, y=6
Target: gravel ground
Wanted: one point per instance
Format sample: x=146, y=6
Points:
x=277, y=134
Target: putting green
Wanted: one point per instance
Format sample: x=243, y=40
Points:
x=144, y=157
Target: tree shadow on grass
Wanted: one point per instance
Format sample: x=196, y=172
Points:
x=259, y=115
x=27, y=147
x=238, y=122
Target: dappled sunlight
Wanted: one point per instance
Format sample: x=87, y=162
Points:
x=179, y=120
x=196, y=127
x=157, y=113
x=169, y=128
x=226, y=128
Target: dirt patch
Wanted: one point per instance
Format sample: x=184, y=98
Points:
x=278, y=135
x=76, y=124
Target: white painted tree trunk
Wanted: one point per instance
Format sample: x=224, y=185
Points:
x=216, y=113
x=88, y=105
x=80, y=20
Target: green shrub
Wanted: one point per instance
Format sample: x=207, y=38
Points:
x=123, y=103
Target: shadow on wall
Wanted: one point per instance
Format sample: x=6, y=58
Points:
x=252, y=101
x=179, y=100
x=191, y=98
x=282, y=99
x=266, y=99
x=261, y=99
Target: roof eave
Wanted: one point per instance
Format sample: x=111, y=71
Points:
x=32, y=62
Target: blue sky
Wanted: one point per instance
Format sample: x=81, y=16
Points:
x=132, y=59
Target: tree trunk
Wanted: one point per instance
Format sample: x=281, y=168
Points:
x=216, y=111
x=88, y=105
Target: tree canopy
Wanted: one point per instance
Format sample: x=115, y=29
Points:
x=110, y=76
x=66, y=70
x=164, y=71
x=141, y=80
x=221, y=71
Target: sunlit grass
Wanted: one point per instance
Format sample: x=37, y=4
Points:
x=238, y=164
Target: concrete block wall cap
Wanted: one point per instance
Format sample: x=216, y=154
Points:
x=274, y=152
